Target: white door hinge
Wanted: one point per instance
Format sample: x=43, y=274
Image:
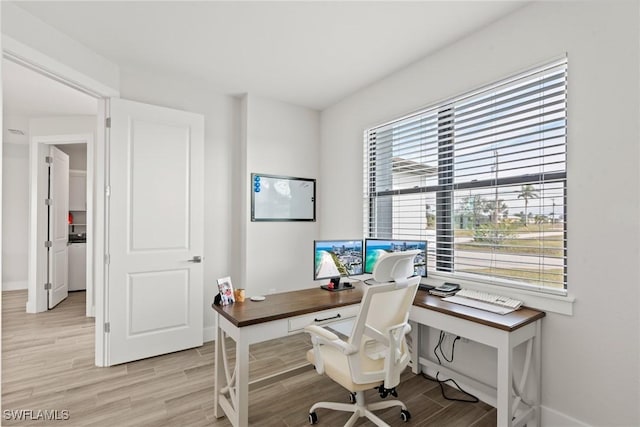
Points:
x=107, y=191
x=107, y=259
x=48, y=202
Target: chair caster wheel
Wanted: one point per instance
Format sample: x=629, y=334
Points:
x=405, y=415
x=313, y=418
x=352, y=398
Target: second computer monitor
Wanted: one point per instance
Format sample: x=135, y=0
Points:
x=336, y=258
x=373, y=248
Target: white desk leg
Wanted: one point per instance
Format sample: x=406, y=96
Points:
x=414, y=346
x=504, y=399
x=537, y=366
x=242, y=373
x=219, y=370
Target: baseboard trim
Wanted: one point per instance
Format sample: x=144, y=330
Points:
x=19, y=285
x=552, y=418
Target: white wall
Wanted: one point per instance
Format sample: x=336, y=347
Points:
x=591, y=369
x=63, y=125
x=77, y=155
x=279, y=139
x=15, y=204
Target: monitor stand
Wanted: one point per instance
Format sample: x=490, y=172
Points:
x=335, y=285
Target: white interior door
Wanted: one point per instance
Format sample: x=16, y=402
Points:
x=58, y=234
x=155, y=229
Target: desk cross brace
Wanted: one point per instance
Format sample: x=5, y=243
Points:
x=227, y=395
x=230, y=388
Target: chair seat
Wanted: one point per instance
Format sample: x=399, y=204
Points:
x=336, y=367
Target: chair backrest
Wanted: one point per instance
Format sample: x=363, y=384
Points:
x=379, y=332
x=394, y=266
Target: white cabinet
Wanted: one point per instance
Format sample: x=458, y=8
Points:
x=77, y=266
x=77, y=190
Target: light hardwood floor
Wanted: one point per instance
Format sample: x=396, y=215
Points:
x=48, y=364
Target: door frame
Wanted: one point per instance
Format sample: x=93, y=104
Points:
x=37, y=273
x=50, y=67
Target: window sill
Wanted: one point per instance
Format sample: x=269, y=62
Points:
x=560, y=304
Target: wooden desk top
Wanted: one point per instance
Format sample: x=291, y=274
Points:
x=287, y=304
x=296, y=303
x=508, y=322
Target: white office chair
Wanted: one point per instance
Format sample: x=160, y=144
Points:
x=376, y=353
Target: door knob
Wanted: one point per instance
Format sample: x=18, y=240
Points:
x=197, y=259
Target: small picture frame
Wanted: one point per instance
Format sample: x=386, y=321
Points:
x=226, y=291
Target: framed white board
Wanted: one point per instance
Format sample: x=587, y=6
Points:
x=282, y=198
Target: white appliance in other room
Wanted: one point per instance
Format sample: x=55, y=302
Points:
x=78, y=266
x=77, y=230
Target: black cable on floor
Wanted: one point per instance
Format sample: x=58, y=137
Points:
x=441, y=383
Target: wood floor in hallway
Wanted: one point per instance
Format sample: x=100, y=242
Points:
x=48, y=364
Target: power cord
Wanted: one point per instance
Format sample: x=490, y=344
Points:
x=439, y=347
x=441, y=383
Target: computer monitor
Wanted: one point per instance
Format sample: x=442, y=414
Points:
x=336, y=258
x=373, y=248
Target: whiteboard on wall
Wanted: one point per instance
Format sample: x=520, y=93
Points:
x=282, y=198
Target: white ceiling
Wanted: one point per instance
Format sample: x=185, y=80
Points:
x=308, y=53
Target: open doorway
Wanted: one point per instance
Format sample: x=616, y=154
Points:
x=37, y=111
x=75, y=220
x=50, y=70
x=183, y=173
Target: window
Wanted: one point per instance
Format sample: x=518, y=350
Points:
x=482, y=178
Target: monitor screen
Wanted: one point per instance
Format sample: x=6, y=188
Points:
x=375, y=247
x=335, y=258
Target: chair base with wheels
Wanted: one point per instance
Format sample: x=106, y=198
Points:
x=360, y=409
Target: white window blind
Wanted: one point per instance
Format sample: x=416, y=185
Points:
x=482, y=178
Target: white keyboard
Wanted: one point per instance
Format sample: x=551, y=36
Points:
x=498, y=309
x=490, y=298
